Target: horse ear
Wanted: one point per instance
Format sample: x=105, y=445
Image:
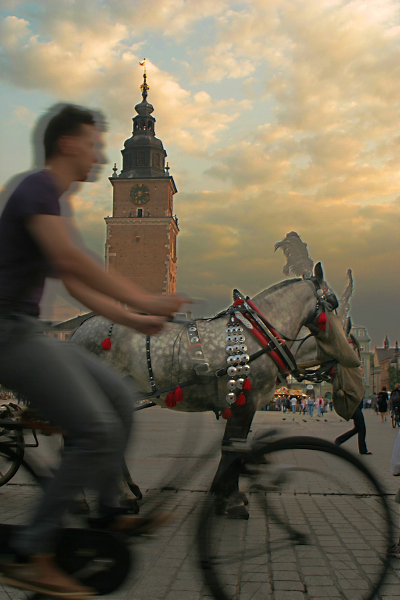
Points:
x=318, y=272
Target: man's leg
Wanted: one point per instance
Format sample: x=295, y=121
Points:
x=346, y=436
x=359, y=423
x=56, y=383
x=121, y=393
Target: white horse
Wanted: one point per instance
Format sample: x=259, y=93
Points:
x=160, y=363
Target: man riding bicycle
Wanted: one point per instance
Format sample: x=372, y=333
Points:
x=394, y=401
x=75, y=390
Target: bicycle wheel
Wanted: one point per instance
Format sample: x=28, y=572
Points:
x=319, y=525
x=394, y=420
x=10, y=463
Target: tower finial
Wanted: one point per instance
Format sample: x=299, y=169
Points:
x=144, y=87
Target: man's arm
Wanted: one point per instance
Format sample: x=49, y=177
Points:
x=51, y=236
x=103, y=305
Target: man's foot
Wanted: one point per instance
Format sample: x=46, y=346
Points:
x=366, y=452
x=42, y=575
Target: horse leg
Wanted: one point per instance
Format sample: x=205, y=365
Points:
x=230, y=499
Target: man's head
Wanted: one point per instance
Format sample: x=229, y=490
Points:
x=70, y=134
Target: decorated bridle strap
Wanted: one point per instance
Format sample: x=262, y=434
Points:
x=265, y=334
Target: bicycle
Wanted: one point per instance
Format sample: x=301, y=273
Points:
x=301, y=517
x=395, y=416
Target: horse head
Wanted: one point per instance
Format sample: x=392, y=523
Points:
x=330, y=339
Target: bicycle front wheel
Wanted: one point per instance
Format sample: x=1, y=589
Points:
x=319, y=526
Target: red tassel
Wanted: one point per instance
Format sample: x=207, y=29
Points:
x=178, y=394
x=322, y=321
x=106, y=343
x=246, y=385
x=241, y=399
x=170, y=400
x=238, y=302
x=226, y=414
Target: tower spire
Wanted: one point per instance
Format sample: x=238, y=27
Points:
x=144, y=87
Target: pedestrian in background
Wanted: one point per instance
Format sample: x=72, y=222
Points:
x=383, y=399
x=320, y=406
x=303, y=406
x=374, y=400
x=359, y=429
x=310, y=403
x=293, y=402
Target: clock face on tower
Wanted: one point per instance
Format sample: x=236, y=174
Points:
x=139, y=194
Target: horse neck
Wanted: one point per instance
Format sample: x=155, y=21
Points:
x=289, y=307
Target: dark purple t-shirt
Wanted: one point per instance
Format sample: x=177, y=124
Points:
x=23, y=267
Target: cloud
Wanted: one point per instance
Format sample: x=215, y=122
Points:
x=303, y=140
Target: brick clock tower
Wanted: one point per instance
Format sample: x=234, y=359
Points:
x=141, y=234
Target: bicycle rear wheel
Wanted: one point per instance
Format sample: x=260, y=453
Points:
x=319, y=526
x=12, y=439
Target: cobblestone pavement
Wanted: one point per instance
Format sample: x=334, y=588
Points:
x=173, y=458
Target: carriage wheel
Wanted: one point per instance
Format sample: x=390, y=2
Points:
x=10, y=439
x=97, y=559
x=312, y=506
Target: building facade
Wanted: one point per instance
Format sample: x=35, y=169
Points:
x=142, y=231
x=384, y=359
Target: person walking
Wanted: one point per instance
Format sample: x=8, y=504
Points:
x=382, y=403
x=359, y=429
x=293, y=402
x=320, y=406
x=77, y=391
x=310, y=404
x=374, y=403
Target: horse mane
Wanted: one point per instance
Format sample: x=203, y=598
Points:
x=280, y=285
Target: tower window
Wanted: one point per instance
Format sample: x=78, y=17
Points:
x=149, y=125
x=138, y=238
x=141, y=161
x=156, y=160
x=139, y=212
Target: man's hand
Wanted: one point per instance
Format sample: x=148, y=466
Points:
x=165, y=306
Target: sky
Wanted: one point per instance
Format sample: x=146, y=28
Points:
x=276, y=115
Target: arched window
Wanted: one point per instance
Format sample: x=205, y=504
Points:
x=141, y=161
x=139, y=212
x=156, y=160
x=149, y=125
